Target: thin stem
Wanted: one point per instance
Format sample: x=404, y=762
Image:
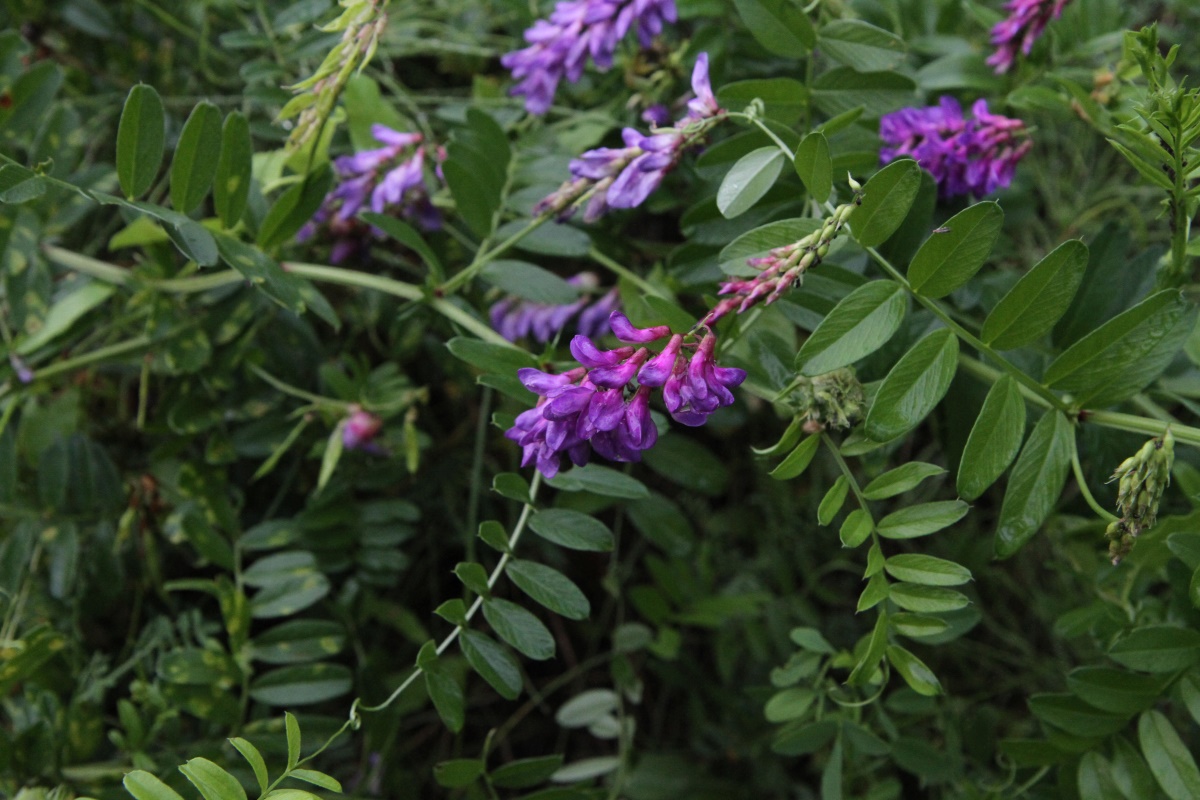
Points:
x=624, y=272
x=846, y=473
x=295, y=391
x=349, y=277
x=1135, y=424
x=491, y=582
x=485, y=257
x=1077, y=468
x=991, y=374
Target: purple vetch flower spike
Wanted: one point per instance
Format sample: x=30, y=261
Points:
x=515, y=318
x=656, y=370
x=592, y=357
x=1026, y=21
x=545, y=384
x=704, y=104
x=619, y=375
x=576, y=30
x=623, y=329
x=975, y=155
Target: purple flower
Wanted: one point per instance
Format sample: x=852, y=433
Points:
x=624, y=177
x=359, y=429
x=597, y=407
x=388, y=179
x=24, y=373
x=577, y=29
x=966, y=156
x=514, y=318
x=1026, y=21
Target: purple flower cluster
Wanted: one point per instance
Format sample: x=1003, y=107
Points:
x=966, y=156
x=388, y=179
x=1026, y=21
x=360, y=429
x=623, y=177
x=559, y=47
x=595, y=407
x=514, y=317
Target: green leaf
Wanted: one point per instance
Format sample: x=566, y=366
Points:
x=64, y=313
x=1131, y=773
x=798, y=460
x=512, y=486
x=600, y=480
x=1122, y=356
x=572, y=529
x=927, y=599
x=458, y=773
x=254, y=759
x=779, y=26
x=525, y=772
x=494, y=536
x=749, y=179
x=1038, y=300
x=913, y=387
x=1170, y=762
x=876, y=591
x=926, y=570
x=810, y=639
x=1114, y=690
x=333, y=453
x=302, y=684
x=784, y=100
x=196, y=156
x=292, y=726
x=213, y=782
x=294, y=208
x=903, y=478
x=844, y=89
x=922, y=520
x=1157, y=648
x=815, y=166
x=833, y=500
x=995, y=439
x=530, y=282
x=918, y=676
x=231, y=185
x=299, y=640
x=860, y=324
x=948, y=260
x=445, y=692
x=885, y=202
x=550, y=588
x=406, y=235
x=808, y=738
x=144, y=786
x=519, y=628
x=861, y=45
x=287, y=597
x=586, y=708
x=1036, y=482
x=1074, y=716
x=490, y=357
x=493, y=662
x=856, y=528
x=876, y=647
x=192, y=238
x=317, y=779
x=1095, y=778
x=474, y=577
x=141, y=136
x=916, y=626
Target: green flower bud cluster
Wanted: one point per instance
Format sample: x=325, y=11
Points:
x=833, y=400
x=1142, y=479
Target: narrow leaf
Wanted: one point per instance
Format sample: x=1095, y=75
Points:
x=1036, y=482
x=141, y=137
x=749, y=179
x=887, y=197
x=196, y=156
x=903, y=478
x=814, y=166
x=1170, y=762
x=493, y=662
x=860, y=324
x=1038, y=300
x=231, y=185
x=918, y=676
x=798, y=460
x=948, y=260
x=995, y=439
x=913, y=387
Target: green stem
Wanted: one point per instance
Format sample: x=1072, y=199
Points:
x=294, y=391
x=991, y=375
x=1077, y=468
x=1135, y=424
x=616, y=267
x=491, y=582
x=485, y=257
x=846, y=473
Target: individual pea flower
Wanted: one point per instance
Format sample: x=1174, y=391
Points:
x=388, y=179
x=781, y=269
x=514, y=317
x=973, y=156
x=24, y=373
x=1026, y=21
x=359, y=430
x=623, y=177
x=1141, y=480
x=559, y=47
x=604, y=404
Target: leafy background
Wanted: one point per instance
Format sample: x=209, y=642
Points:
x=187, y=552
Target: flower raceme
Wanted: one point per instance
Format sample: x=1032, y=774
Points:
x=623, y=177
x=560, y=46
x=1026, y=21
x=514, y=317
x=596, y=406
x=388, y=179
x=965, y=156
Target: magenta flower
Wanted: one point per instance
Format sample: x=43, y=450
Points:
x=560, y=46
x=966, y=156
x=360, y=429
x=624, y=177
x=1026, y=21
x=597, y=406
x=388, y=179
